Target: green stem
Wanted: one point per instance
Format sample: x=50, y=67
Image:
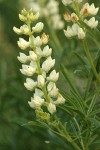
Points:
x=68, y=137
x=45, y=94
x=90, y=59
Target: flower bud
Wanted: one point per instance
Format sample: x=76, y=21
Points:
x=41, y=81
x=47, y=51
x=53, y=91
x=51, y=108
x=67, y=17
x=48, y=64
x=23, y=58
x=34, y=17
x=30, y=84
x=53, y=76
x=23, y=44
x=33, y=56
x=22, y=18
x=16, y=30
x=38, y=27
x=27, y=70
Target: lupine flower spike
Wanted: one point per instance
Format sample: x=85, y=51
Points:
x=41, y=78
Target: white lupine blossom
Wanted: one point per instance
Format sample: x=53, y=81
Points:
x=41, y=81
x=33, y=56
x=53, y=76
x=38, y=27
x=51, y=108
x=45, y=90
x=60, y=100
x=23, y=44
x=48, y=64
x=92, y=23
x=46, y=51
x=23, y=58
x=37, y=41
x=27, y=70
x=81, y=33
x=89, y=9
x=83, y=12
x=30, y=84
x=36, y=102
x=74, y=17
x=38, y=92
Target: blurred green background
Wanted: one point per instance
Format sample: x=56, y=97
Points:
x=14, y=109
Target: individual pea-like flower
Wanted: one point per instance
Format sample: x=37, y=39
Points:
x=46, y=51
x=41, y=81
x=27, y=70
x=33, y=56
x=30, y=84
x=88, y=10
x=53, y=76
x=77, y=28
x=40, y=63
x=48, y=64
x=51, y=108
x=23, y=58
x=92, y=23
x=23, y=44
x=38, y=27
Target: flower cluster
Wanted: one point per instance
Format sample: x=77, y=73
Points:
x=48, y=9
x=81, y=14
x=37, y=65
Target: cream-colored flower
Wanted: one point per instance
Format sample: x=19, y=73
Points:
x=53, y=76
x=46, y=51
x=23, y=58
x=33, y=56
x=51, y=108
x=30, y=84
x=81, y=33
x=37, y=41
x=89, y=9
x=27, y=70
x=74, y=17
x=38, y=27
x=60, y=100
x=23, y=44
x=38, y=92
x=92, y=23
x=48, y=64
x=41, y=81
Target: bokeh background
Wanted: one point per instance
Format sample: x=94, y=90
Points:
x=14, y=109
